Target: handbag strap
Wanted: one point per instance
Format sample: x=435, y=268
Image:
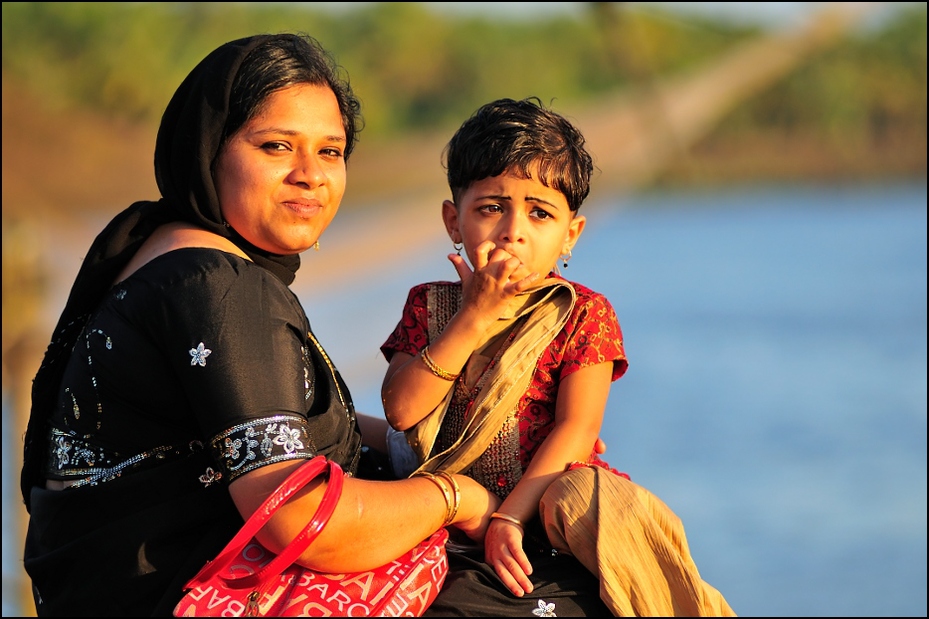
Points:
x=294, y=482
x=300, y=543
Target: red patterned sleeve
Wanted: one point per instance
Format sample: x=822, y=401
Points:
x=595, y=337
x=411, y=334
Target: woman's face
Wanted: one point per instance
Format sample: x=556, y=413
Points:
x=281, y=177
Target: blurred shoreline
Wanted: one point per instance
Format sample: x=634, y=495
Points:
x=99, y=165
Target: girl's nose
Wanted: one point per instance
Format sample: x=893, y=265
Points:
x=512, y=230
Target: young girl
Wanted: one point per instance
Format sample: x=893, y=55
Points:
x=505, y=374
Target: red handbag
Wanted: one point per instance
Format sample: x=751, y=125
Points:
x=247, y=580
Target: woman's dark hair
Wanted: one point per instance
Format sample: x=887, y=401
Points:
x=519, y=136
x=284, y=60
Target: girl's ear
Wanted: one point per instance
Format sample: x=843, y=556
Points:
x=574, y=232
x=450, y=217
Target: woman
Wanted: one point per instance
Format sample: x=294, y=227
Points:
x=183, y=382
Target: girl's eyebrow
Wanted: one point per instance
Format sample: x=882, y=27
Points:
x=502, y=197
x=540, y=200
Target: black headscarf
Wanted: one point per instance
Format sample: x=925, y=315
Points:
x=189, y=139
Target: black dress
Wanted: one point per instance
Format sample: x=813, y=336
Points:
x=199, y=367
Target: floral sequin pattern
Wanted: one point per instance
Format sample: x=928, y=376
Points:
x=210, y=477
x=199, y=354
x=71, y=453
x=250, y=445
x=84, y=464
x=307, y=378
x=545, y=609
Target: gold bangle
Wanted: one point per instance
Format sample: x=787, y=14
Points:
x=427, y=359
x=446, y=493
x=508, y=518
x=457, y=494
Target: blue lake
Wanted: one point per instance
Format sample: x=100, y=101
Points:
x=776, y=393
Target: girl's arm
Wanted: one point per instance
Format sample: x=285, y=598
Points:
x=373, y=431
x=582, y=398
x=411, y=390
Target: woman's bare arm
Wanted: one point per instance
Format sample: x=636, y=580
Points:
x=373, y=523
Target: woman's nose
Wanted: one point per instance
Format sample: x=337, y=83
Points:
x=307, y=171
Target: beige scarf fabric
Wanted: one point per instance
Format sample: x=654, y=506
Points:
x=536, y=315
x=632, y=542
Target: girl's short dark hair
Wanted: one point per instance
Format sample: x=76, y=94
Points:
x=519, y=136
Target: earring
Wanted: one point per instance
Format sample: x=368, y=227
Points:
x=316, y=245
x=458, y=247
x=565, y=257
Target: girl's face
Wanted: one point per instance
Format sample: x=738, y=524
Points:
x=281, y=177
x=520, y=216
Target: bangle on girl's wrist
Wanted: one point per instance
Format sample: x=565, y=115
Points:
x=434, y=367
x=507, y=518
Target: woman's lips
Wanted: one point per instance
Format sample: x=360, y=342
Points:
x=304, y=207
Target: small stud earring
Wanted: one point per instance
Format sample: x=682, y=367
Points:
x=316, y=245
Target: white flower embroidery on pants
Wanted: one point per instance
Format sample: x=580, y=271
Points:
x=545, y=610
x=199, y=355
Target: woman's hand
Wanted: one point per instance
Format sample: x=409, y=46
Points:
x=477, y=504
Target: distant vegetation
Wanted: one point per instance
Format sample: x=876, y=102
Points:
x=417, y=71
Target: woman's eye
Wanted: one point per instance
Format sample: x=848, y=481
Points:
x=275, y=146
x=332, y=152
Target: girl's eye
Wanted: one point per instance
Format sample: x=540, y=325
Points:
x=332, y=152
x=541, y=214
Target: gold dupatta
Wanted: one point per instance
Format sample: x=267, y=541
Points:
x=536, y=316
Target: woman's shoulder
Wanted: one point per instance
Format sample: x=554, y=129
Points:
x=200, y=285
x=202, y=262
x=204, y=273
x=174, y=236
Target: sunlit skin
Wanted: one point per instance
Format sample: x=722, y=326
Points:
x=514, y=230
x=281, y=176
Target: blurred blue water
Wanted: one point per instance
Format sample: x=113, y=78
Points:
x=776, y=395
